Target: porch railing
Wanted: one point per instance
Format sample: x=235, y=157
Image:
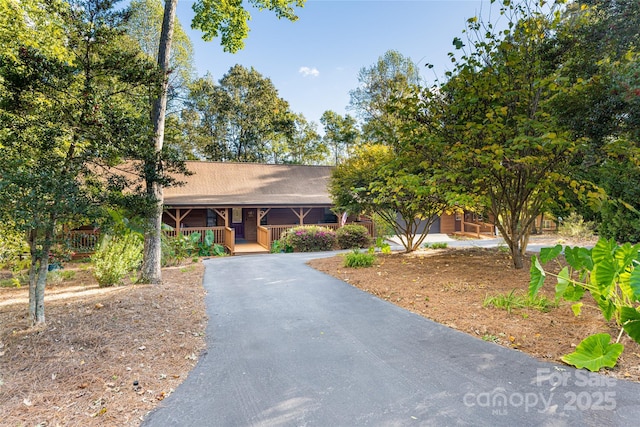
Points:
x=85, y=241
x=218, y=233
x=82, y=241
x=264, y=237
x=478, y=228
x=230, y=239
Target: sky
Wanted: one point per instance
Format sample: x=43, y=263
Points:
x=314, y=62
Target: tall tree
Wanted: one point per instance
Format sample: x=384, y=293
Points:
x=392, y=76
x=144, y=26
x=597, y=49
x=61, y=114
x=305, y=146
x=506, y=144
x=229, y=20
x=240, y=116
x=340, y=133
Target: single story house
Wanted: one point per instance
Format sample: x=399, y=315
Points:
x=249, y=205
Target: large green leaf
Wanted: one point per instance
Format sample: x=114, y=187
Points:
x=573, y=293
x=606, y=306
x=604, y=249
x=537, y=276
x=634, y=283
x=578, y=257
x=630, y=318
x=563, y=282
x=625, y=255
x=604, y=275
x=547, y=254
x=595, y=352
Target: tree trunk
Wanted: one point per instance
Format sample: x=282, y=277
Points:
x=151, y=271
x=38, y=276
x=516, y=255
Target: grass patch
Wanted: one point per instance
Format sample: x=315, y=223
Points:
x=441, y=245
x=514, y=300
x=59, y=276
x=358, y=259
x=12, y=282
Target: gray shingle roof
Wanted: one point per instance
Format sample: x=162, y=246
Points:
x=251, y=184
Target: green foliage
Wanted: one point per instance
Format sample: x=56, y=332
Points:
x=242, y=118
x=116, y=257
x=618, y=221
x=594, y=353
x=392, y=76
x=309, y=238
x=180, y=247
x=206, y=246
x=66, y=110
x=382, y=245
x=13, y=282
x=436, y=245
x=358, y=259
x=608, y=272
x=507, y=146
x=59, y=276
x=275, y=247
x=340, y=133
x=514, y=300
x=176, y=249
x=353, y=236
x=576, y=227
x=278, y=246
x=14, y=251
x=228, y=20
x=377, y=180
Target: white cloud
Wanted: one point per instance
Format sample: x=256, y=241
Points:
x=309, y=72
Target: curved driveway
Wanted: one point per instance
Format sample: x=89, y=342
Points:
x=290, y=346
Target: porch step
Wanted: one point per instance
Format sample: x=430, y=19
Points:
x=249, y=249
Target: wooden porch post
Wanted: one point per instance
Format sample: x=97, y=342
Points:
x=301, y=214
x=178, y=218
x=224, y=214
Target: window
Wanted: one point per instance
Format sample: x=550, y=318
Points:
x=236, y=215
x=211, y=218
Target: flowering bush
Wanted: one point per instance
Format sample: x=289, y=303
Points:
x=309, y=238
x=353, y=236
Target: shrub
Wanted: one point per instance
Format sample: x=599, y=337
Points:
x=309, y=238
x=576, y=227
x=357, y=259
x=115, y=257
x=275, y=247
x=207, y=247
x=176, y=249
x=13, y=249
x=353, y=236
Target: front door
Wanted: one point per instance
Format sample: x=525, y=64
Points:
x=237, y=222
x=250, y=225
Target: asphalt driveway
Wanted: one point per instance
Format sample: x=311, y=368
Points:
x=290, y=346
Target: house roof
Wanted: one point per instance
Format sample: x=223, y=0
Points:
x=250, y=184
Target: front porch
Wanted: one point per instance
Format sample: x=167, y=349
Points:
x=244, y=230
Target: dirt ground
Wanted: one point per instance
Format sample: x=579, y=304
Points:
x=106, y=356
x=450, y=285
